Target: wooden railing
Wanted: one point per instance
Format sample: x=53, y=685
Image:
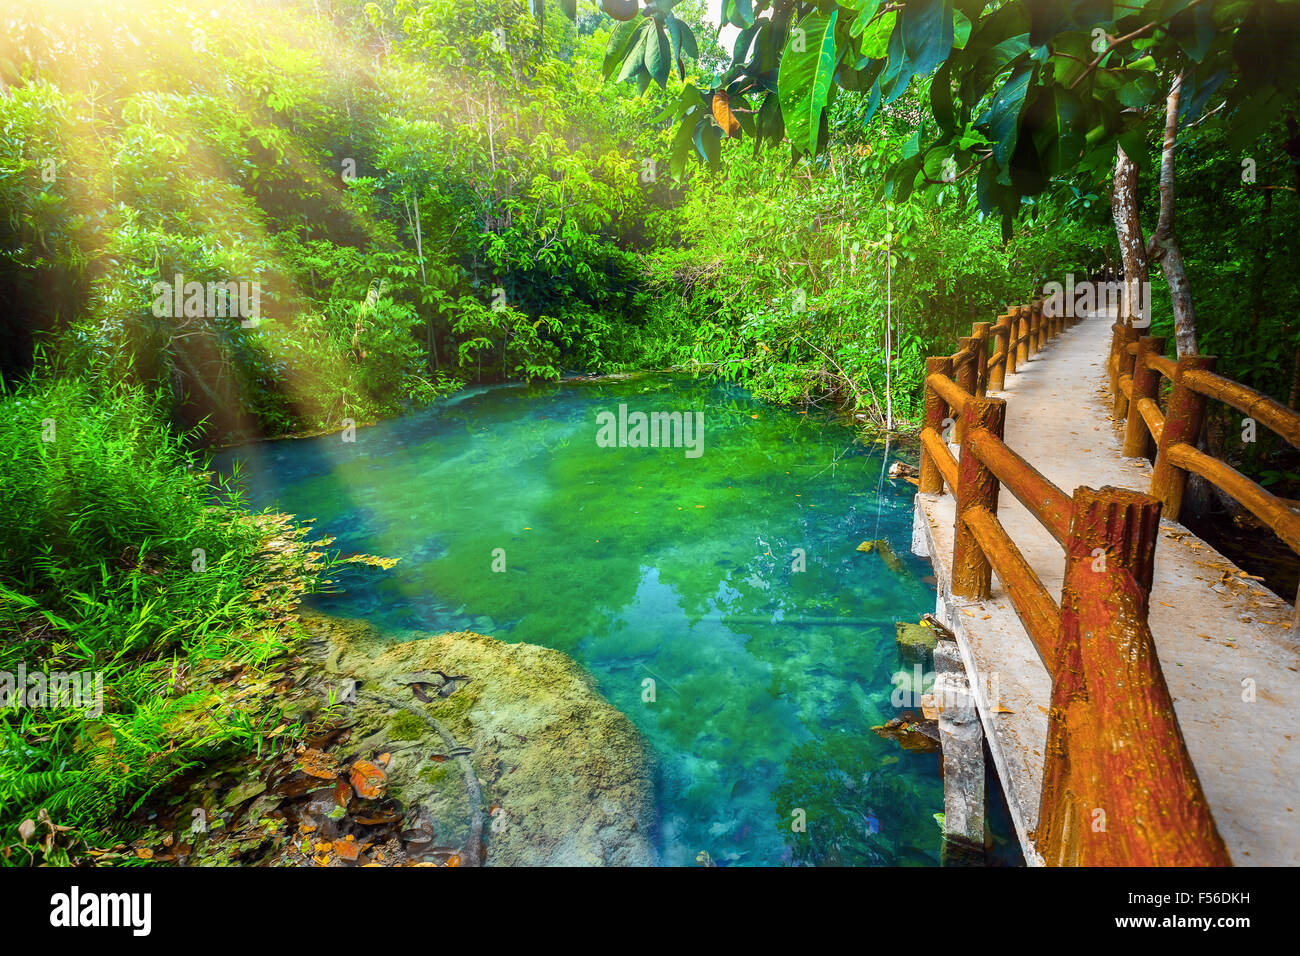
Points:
x=1137, y=368
x=1118, y=785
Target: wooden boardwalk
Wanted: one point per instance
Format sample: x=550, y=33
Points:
x=1224, y=642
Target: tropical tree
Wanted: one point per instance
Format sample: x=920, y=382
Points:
x=1023, y=94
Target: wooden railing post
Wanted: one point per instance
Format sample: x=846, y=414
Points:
x=1119, y=787
x=1183, y=422
x=998, y=373
x=965, y=377
x=1146, y=384
x=1013, y=325
x=1022, y=329
x=980, y=332
x=1120, y=409
x=1112, y=360
x=977, y=486
x=936, y=410
x=1036, y=313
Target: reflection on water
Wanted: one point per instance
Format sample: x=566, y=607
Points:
x=718, y=600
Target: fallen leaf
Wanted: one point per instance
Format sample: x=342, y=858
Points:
x=369, y=781
x=316, y=763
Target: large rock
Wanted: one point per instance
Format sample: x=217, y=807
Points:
x=554, y=775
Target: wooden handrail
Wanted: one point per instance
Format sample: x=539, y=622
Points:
x=1046, y=502
x=1265, y=506
x=1113, y=744
x=1166, y=367
x=942, y=456
x=1282, y=420
x=1152, y=417
x=1176, y=432
x=1035, y=607
x=936, y=412
x=1144, y=388
x=947, y=389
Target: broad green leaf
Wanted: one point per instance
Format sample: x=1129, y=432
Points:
x=807, y=68
x=770, y=122
x=634, y=63
x=1139, y=90
x=1194, y=30
x=1134, y=144
x=1197, y=93
x=1252, y=117
x=874, y=36
x=1047, y=18
x=1003, y=117
x=708, y=141
x=1058, y=136
x=941, y=98
x=681, y=43
x=738, y=13
x=927, y=33
x=960, y=30
x=683, y=142
x=658, y=61
x=620, y=40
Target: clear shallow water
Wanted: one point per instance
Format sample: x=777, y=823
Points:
x=644, y=564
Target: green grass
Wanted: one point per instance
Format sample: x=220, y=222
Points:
x=116, y=557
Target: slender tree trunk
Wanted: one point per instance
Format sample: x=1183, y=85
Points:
x=1128, y=231
x=1164, y=247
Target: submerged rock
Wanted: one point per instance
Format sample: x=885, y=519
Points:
x=508, y=747
x=916, y=642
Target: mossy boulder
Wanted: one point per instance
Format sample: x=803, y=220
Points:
x=522, y=748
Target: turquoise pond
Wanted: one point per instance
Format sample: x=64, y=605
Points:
x=725, y=585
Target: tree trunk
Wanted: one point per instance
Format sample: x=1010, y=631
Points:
x=1128, y=229
x=1163, y=247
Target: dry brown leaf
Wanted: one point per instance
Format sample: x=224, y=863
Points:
x=722, y=113
x=316, y=763
x=368, y=780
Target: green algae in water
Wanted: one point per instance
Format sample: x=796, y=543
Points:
x=719, y=601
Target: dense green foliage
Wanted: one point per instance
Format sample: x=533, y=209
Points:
x=437, y=193
x=112, y=562
x=432, y=193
